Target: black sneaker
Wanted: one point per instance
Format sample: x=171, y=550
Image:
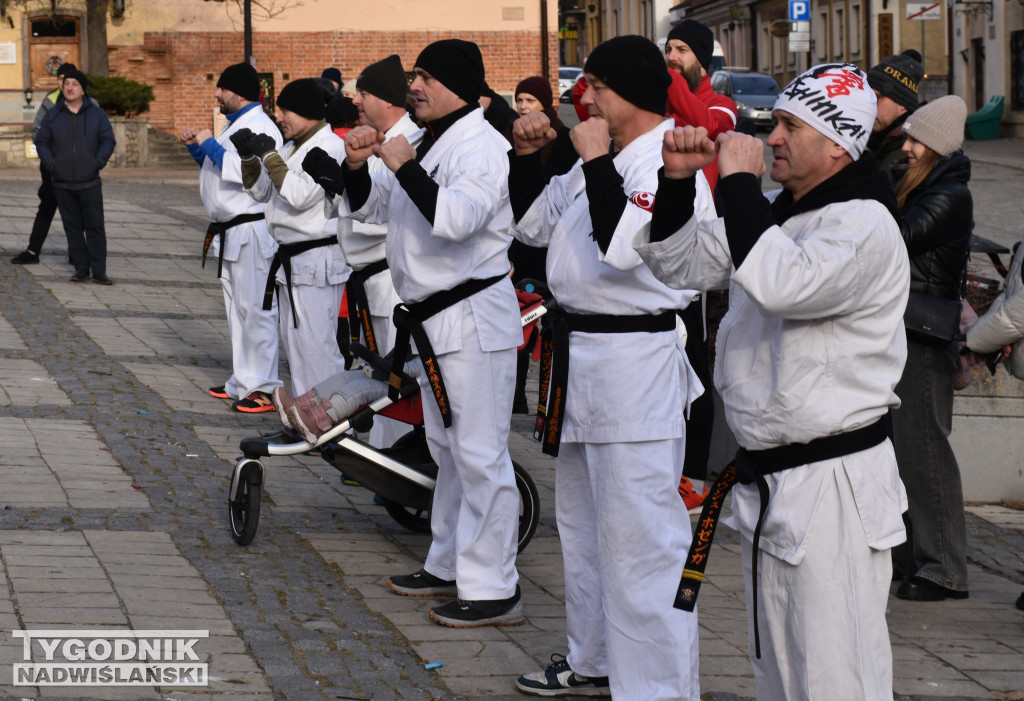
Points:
x=84, y=277
x=219, y=392
x=483, y=612
x=102, y=280
x=558, y=679
x=421, y=583
x=256, y=403
x=25, y=258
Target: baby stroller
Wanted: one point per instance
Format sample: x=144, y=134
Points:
x=402, y=476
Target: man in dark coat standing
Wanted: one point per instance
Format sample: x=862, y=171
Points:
x=75, y=142
x=896, y=82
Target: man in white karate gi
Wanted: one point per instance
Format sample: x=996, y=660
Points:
x=624, y=530
x=808, y=356
x=381, y=91
x=239, y=240
x=446, y=204
x=309, y=270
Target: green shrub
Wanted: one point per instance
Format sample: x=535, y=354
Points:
x=119, y=95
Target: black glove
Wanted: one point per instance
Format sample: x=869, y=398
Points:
x=241, y=141
x=326, y=171
x=261, y=145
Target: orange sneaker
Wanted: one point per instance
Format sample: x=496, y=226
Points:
x=694, y=501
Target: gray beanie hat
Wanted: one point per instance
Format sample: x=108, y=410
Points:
x=939, y=125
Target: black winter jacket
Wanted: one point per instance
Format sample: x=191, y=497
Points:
x=73, y=148
x=936, y=224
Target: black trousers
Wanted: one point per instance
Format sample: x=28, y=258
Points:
x=44, y=215
x=82, y=214
x=702, y=412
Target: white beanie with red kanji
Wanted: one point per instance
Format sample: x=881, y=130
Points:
x=835, y=99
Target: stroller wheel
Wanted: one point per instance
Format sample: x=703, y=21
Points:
x=244, y=507
x=529, y=505
x=529, y=509
x=410, y=517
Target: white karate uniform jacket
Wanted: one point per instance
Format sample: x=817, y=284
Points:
x=630, y=391
x=224, y=196
x=812, y=345
x=297, y=213
x=469, y=239
x=365, y=243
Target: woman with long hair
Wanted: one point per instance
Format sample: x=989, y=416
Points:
x=937, y=217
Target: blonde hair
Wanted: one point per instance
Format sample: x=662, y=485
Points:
x=915, y=173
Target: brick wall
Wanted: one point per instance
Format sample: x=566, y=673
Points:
x=183, y=67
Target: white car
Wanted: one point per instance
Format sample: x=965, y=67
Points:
x=567, y=77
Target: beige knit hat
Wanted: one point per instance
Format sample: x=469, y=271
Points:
x=939, y=125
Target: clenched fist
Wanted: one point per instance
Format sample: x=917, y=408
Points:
x=531, y=132
x=591, y=138
x=241, y=141
x=359, y=145
x=685, y=150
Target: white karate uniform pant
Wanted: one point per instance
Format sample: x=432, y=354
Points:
x=625, y=534
x=312, y=348
x=822, y=622
x=475, y=513
x=253, y=332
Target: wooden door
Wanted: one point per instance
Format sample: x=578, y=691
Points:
x=53, y=41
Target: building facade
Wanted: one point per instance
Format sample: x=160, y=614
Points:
x=181, y=47
x=971, y=48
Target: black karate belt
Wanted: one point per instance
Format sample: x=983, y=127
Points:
x=218, y=229
x=751, y=466
x=409, y=320
x=283, y=257
x=554, y=360
x=359, y=306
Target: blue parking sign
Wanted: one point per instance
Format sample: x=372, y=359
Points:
x=799, y=10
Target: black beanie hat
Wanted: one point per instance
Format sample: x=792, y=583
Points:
x=303, y=97
x=457, y=65
x=698, y=37
x=386, y=79
x=340, y=110
x=65, y=68
x=79, y=76
x=633, y=67
x=899, y=78
x=332, y=73
x=241, y=79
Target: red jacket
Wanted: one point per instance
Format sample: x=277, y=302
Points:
x=705, y=108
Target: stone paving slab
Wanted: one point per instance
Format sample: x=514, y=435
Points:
x=26, y=382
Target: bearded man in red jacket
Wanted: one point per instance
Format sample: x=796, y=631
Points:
x=691, y=101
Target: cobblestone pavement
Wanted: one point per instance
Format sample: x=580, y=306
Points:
x=114, y=471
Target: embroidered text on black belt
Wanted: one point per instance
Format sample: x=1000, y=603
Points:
x=218, y=229
x=751, y=466
x=409, y=322
x=359, y=306
x=554, y=360
x=283, y=257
